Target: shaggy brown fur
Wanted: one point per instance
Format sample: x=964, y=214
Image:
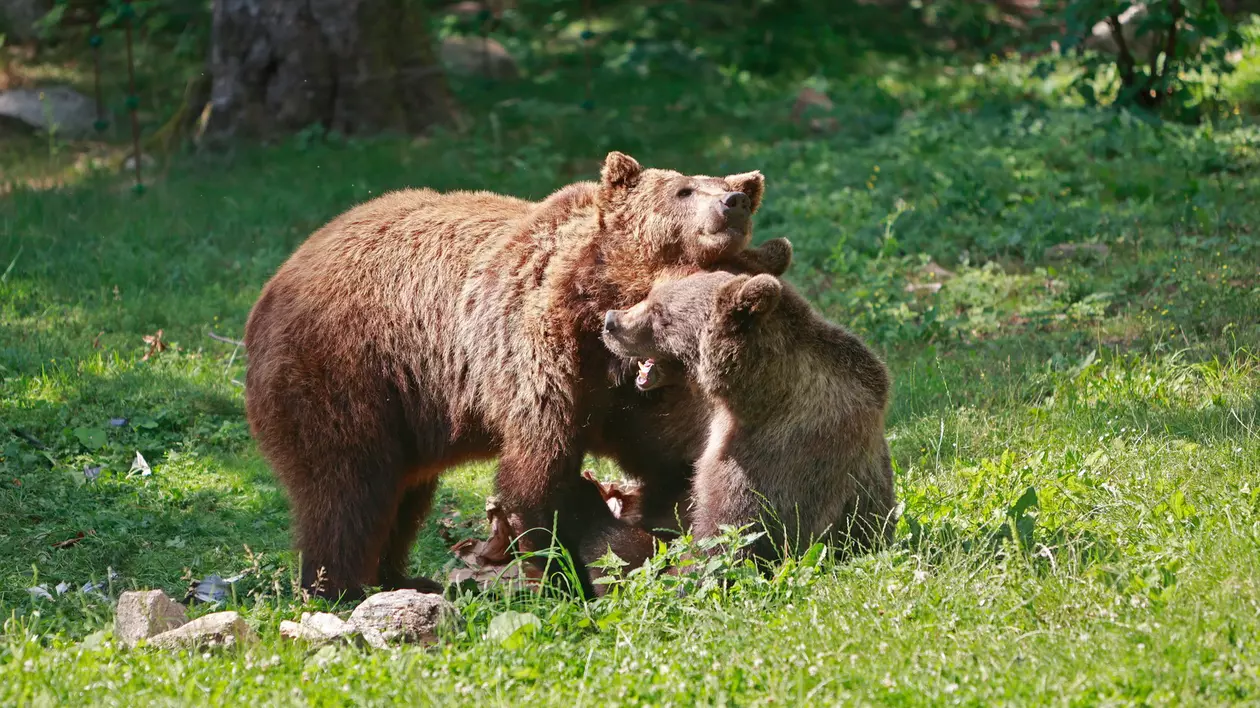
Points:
x=795, y=438
x=421, y=330
x=657, y=427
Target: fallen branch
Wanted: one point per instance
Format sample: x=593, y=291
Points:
x=1170, y=53
x=34, y=441
x=223, y=339
x=1124, y=58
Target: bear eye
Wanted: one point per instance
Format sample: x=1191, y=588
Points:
x=685, y=192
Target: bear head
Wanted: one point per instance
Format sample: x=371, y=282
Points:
x=681, y=314
x=675, y=218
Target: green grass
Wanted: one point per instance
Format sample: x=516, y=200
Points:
x=1120, y=390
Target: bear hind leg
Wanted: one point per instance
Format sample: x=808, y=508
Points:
x=343, y=522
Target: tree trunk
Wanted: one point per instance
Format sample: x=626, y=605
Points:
x=355, y=66
x=18, y=17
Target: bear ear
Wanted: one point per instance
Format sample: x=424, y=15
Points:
x=751, y=183
x=758, y=296
x=620, y=170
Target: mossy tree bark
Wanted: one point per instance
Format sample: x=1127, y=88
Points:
x=355, y=66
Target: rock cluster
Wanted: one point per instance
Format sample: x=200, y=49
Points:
x=399, y=616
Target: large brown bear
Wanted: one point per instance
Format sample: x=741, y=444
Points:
x=421, y=330
x=796, y=404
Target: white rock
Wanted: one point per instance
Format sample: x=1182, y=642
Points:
x=293, y=630
x=145, y=614
x=217, y=629
x=326, y=623
x=402, y=615
x=317, y=628
x=473, y=56
x=67, y=111
x=129, y=165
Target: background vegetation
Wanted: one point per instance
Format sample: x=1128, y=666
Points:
x=1063, y=281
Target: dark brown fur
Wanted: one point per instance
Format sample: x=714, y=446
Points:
x=795, y=441
x=657, y=435
x=422, y=330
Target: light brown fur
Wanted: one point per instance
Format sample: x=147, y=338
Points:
x=795, y=439
x=421, y=330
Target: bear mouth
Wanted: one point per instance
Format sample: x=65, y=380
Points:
x=644, y=380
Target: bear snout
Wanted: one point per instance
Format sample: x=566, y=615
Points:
x=736, y=200
x=731, y=213
x=610, y=321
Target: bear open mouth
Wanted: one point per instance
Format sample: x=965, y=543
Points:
x=645, y=373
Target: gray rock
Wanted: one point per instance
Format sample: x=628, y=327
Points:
x=403, y=615
x=145, y=614
x=58, y=109
x=473, y=56
x=218, y=629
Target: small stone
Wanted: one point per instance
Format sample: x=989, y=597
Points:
x=403, y=615
x=326, y=623
x=212, y=630
x=146, y=614
x=317, y=628
x=923, y=288
x=297, y=632
x=146, y=162
x=478, y=56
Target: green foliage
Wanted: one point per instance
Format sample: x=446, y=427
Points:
x=1164, y=62
x=1074, y=431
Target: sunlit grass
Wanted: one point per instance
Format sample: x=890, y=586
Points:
x=1076, y=440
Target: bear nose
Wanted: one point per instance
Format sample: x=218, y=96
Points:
x=735, y=200
x=610, y=321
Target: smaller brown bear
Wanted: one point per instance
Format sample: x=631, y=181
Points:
x=796, y=441
x=656, y=430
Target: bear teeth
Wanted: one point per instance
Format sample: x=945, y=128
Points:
x=645, y=368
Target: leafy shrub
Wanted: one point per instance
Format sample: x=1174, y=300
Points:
x=1164, y=51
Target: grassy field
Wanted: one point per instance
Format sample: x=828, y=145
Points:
x=1074, y=429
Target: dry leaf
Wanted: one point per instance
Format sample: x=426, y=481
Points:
x=934, y=270
x=493, y=560
x=155, y=343
x=75, y=539
x=623, y=498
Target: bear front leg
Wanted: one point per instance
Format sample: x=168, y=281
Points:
x=396, y=559
x=722, y=497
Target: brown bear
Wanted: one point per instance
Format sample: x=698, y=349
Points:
x=421, y=330
x=795, y=442
x=657, y=430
